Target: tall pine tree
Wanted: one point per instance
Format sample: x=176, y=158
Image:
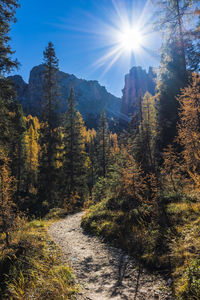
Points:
x=189, y=127
x=175, y=65
x=75, y=161
x=17, y=148
x=47, y=191
x=145, y=139
x=7, y=16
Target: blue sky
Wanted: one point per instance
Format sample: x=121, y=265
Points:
x=83, y=32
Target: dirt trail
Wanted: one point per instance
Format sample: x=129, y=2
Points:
x=104, y=272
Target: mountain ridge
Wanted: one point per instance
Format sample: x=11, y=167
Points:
x=91, y=97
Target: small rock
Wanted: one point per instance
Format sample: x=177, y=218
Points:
x=169, y=281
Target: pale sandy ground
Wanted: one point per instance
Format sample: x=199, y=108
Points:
x=104, y=272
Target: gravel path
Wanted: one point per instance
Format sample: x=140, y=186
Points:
x=103, y=272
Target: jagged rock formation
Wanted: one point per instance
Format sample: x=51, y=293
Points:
x=92, y=98
x=137, y=83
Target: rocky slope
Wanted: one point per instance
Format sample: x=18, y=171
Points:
x=92, y=98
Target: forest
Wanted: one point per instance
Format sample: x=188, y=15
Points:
x=138, y=184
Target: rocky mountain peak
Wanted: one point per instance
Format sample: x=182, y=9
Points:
x=91, y=97
x=137, y=83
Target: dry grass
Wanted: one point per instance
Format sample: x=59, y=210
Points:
x=185, y=248
x=180, y=236
x=34, y=266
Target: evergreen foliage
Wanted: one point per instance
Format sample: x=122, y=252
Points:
x=189, y=127
x=75, y=160
x=17, y=148
x=7, y=189
x=172, y=79
x=48, y=179
x=50, y=87
x=144, y=142
x=7, y=16
x=102, y=146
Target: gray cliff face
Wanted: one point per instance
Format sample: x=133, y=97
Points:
x=21, y=87
x=91, y=97
x=137, y=83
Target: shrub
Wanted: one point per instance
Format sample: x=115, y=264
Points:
x=191, y=278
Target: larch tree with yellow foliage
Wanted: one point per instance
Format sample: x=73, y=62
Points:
x=189, y=127
x=32, y=149
x=102, y=146
x=7, y=190
x=90, y=140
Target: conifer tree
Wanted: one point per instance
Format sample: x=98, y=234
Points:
x=5, y=123
x=48, y=135
x=175, y=64
x=172, y=14
x=75, y=161
x=114, y=145
x=16, y=147
x=12, y=127
x=7, y=16
x=132, y=180
x=145, y=139
x=51, y=92
x=102, y=146
x=172, y=80
x=91, y=150
x=172, y=169
x=7, y=189
x=189, y=127
x=32, y=151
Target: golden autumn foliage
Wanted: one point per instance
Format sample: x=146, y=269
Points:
x=172, y=168
x=131, y=180
x=189, y=127
x=114, y=145
x=83, y=137
x=90, y=136
x=7, y=189
x=32, y=142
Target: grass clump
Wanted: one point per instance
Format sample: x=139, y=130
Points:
x=32, y=267
x=167, y=240
x=123, y=229
x=185, y=248
x=56, y=214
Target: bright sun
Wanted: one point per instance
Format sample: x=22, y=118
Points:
x=125, y=36
x=130, y=39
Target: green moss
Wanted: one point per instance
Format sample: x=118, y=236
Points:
x=35, y=224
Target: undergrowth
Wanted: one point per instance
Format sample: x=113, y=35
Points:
x=31, y=268
x=172, y=246
x=185, y=248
